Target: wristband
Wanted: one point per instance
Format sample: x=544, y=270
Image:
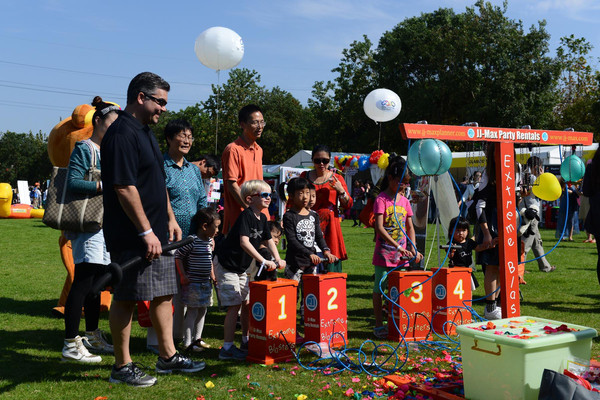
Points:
x=145, y=233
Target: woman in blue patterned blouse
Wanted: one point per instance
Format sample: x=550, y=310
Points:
x=186, y=194
x=184, y=180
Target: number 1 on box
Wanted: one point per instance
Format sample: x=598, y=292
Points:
x=283, y=315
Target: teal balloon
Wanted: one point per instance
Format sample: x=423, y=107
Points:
x=413, y=159
x=572, y=168
x=429, y=157
x=446, y=155
x=363, y=163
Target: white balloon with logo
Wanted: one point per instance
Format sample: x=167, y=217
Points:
x=382, y=105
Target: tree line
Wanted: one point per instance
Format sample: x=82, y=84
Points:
x=447, y=68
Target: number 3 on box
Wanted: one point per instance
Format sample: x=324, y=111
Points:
x=418, y=291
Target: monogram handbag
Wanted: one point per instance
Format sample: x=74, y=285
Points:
x=74, y=212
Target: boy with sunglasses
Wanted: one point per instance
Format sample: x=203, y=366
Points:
x=235, y=255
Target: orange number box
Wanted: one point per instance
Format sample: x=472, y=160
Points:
x=272, y=320
x=325, y=310
x=451, y=288
x=416, y=302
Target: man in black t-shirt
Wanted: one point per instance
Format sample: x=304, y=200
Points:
x=138, y=221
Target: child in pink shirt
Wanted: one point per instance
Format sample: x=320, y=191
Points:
x=392, y=224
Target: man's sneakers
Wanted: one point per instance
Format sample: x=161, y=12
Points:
x=74, y=350
x=132, y=375
x=96, y=342
x=178, y=363
x=233, y=353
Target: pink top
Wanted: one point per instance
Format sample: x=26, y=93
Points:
x=384, y=254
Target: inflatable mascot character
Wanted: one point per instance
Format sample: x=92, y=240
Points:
x=61, y=142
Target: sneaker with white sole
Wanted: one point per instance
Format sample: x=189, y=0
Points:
x=232, y=354
x=74, y=350
x=179, y=363
x=96, y=342
x=495, y=314
x=132, y=375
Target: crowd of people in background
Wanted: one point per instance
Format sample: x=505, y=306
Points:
x=151, y=199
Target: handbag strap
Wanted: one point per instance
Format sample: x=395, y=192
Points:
x=93, y=159
x=90, y=178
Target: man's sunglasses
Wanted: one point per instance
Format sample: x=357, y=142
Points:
x=160, y=102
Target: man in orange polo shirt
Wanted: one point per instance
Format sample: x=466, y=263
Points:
x=242, y=161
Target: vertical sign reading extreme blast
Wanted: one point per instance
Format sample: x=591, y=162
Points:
x=507, y=230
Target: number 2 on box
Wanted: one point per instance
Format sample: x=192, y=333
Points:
x=458, y=290
x=330, y=304
x=283, y=315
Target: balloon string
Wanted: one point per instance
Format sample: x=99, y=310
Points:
x=217, y=127
x=379, y=140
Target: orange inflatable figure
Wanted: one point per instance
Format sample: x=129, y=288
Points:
x=61, y=142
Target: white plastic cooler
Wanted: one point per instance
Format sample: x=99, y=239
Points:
x=502, y=366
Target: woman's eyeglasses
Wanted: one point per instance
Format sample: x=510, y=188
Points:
x=264, y=195
x=185, y=137
x=321, y=160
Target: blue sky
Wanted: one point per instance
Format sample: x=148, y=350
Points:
x=57, y=54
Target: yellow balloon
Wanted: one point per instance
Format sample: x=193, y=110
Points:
x=547, y=187
x=384, y=161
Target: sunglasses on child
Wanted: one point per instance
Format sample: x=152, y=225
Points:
x=264, y=195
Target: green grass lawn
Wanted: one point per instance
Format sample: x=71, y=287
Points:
x=32, y=276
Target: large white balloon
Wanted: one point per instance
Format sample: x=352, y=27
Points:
x=219, y=48
x=382, y=105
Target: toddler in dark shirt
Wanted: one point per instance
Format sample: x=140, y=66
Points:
x=462, y=246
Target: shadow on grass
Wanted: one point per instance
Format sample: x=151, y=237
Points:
x=24, y=359
x=40, y=225
x=590, y=296
x=34, y=308
x=546, y=305
x=33, y=356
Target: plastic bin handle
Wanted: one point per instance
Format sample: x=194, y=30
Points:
x=494, y=353
x=484, y=338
